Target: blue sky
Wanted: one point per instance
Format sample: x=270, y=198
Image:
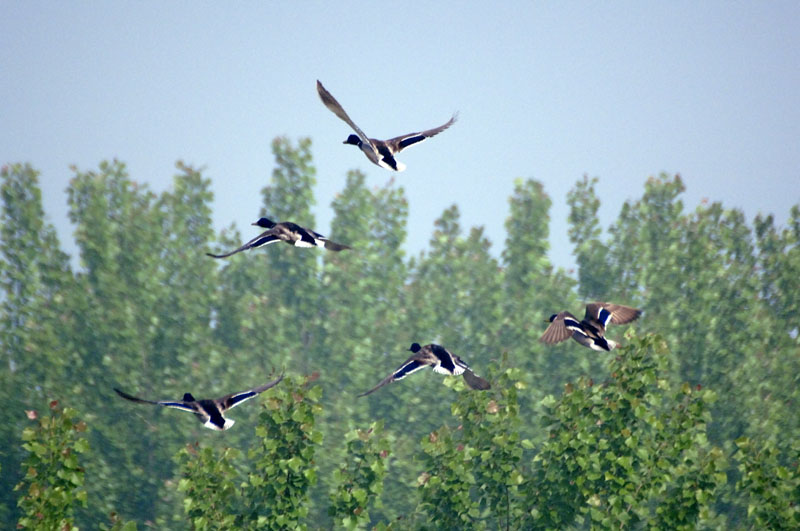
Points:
x=548, y=90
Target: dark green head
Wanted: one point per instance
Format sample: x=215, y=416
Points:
x=265, y=223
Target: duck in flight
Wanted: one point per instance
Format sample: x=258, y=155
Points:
x=440, y=360
x=211, y=412
x=380, y=152
x=286, y=231
x=589, y=332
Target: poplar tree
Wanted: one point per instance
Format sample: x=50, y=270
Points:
x=363, y=313
x=36, y=354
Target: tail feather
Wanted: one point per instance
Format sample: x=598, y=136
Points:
x=475, y=381
x=336, y=247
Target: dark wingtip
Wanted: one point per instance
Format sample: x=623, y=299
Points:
x=126, y=396
x=365, y=393
x=370, y=391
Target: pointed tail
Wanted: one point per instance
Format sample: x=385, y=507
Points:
x=336, y=247
x=475, y=381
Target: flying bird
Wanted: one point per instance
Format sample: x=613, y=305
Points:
x=380, y=152
x=211, y=412
x=590, y=332
x=286, y=231
x=440, y=360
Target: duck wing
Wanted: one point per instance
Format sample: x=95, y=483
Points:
x=234, y=399
x=411, y=365
x=606, y=312
x=336, y=108
x=399, y=143
x=183, y=406
x=265, y=238
x=560, y=328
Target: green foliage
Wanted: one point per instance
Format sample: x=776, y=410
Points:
x=359, y=479
x=273, y=491
x=779, y=259
x=631, y=450
x=771, y=489
x=717, y=291
x=363, y=318
x=146, y=310
x=292, y=284
x=533, y=290
x=35, y=279
x=118, y=524
x=283, y=460
x=472, y=472
x=446, y=484
x=141, y=323
x=269, y=296
x=591, y=254
x=447, y=273
x=208, y=484
x=54, y=480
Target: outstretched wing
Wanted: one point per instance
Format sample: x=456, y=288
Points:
x=234, y=399
x=166, y=403
x=606, y=312
x=399, y=143
x=265, y=238
x=334, y=106
x=411, y=365
x=560, y=328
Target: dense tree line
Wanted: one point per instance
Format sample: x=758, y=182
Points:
x=691, y=423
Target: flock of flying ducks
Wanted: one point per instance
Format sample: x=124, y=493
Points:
x=589, y=332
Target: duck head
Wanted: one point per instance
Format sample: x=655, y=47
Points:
x=353, y=139
x=265, y=223
x=415, y=348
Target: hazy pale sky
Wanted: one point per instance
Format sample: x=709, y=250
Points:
x=548, y=90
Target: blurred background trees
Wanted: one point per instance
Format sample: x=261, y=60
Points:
x=693, y=422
